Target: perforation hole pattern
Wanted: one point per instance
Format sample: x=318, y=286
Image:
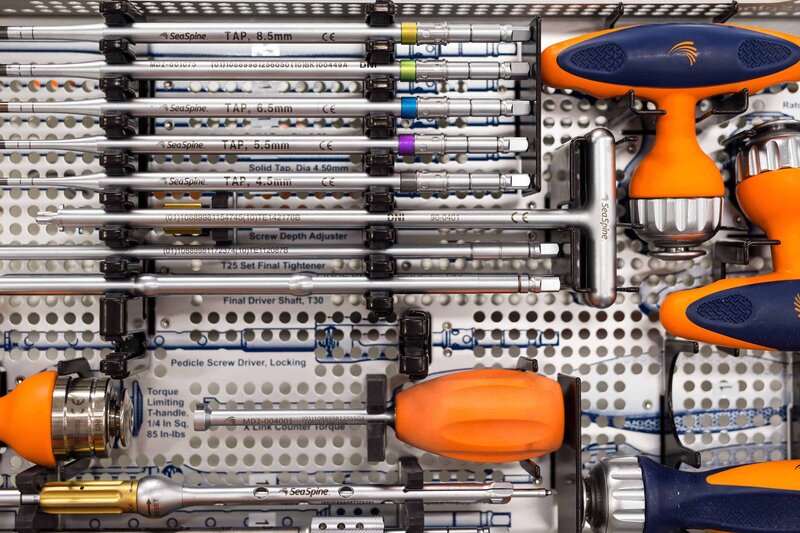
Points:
x=319, y=349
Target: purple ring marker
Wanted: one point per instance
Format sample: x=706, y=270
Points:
x=405, y=144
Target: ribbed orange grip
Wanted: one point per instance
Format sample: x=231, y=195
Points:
x=25, y=418
x=492, y=416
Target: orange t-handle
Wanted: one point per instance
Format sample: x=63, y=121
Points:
x=492, y=416
x=25, y=423
x=675, y=66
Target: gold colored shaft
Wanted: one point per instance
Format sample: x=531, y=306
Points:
x=97, y=497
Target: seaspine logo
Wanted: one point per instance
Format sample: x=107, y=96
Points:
x=230, y=421
x=685, y=48
x=797, y=304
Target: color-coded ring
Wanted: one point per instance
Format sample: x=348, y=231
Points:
x=408, y=33
x=405, y=144
x=408, y=107
x=408, y=70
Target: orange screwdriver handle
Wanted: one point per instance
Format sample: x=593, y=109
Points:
x=492, y=416
x=25, y=423
x=675, y=66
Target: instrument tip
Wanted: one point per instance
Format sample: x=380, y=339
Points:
x=3, y=70
x=46, y=217
x=3, y=107
x=3, y=33
x=3, y=182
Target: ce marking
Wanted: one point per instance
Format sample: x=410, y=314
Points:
x=329, y=36
x=327, y=182
x=326, y=146
x=518, y=217
x=329, y=109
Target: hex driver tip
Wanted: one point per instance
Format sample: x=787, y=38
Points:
x=518, y=108
x=548, y=249
x=519, y=181
x=202, y=418
x=517, y=144
x=518, y=33
x=516, y=70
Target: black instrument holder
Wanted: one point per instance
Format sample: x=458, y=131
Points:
x=530, y=126
x=415, y=346
x=567, y=474
x=376, y=404
x=412, y=512
x=673, y=451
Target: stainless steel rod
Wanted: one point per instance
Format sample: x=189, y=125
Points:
x=275, y=69
x=316, y=218
x=276, y=182
x=269, y=32
x=205, y=417
x=280, y=106
x=14, y=498
x=491, y=250
x=404, y=144
x=294, y=284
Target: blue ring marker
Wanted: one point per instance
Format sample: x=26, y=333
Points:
x=408, y=107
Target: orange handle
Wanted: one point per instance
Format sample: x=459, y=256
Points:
x=675, y=66
x=758, y=312
x=25, y=418
x=492, y=416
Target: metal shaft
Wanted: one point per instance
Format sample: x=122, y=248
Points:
x=270, y=32
x=157, y=496
x=404, y=144
x=523, y=219
x=13, y=498
x=294, y=284
x=480, y=251
x=276, y=182
x=316, y=105
x=205, y=418
x=276, y=69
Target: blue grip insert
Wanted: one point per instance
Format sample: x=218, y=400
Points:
x=767, y=314
x=408, y=107
x=676, y=500
x=679, y=55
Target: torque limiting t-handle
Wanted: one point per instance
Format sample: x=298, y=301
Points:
x=476, y=415
x=675, y=66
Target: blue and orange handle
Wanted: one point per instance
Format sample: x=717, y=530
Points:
x=754, y=498
x=675, y=66
x=758, y=312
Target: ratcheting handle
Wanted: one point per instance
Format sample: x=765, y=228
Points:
x=755, y=498
x=758, y=313
x=674, y=65
x=491, y=415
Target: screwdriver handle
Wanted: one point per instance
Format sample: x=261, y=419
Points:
x=488, y=415
x=25, y=418
x=757, y=313
x=675, y=66
x=754, y=498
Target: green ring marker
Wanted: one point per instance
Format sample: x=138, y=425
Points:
x=408, y=70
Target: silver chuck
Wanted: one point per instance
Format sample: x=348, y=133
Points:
x=88, y=416
x=674, y=227
x=614, y=496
